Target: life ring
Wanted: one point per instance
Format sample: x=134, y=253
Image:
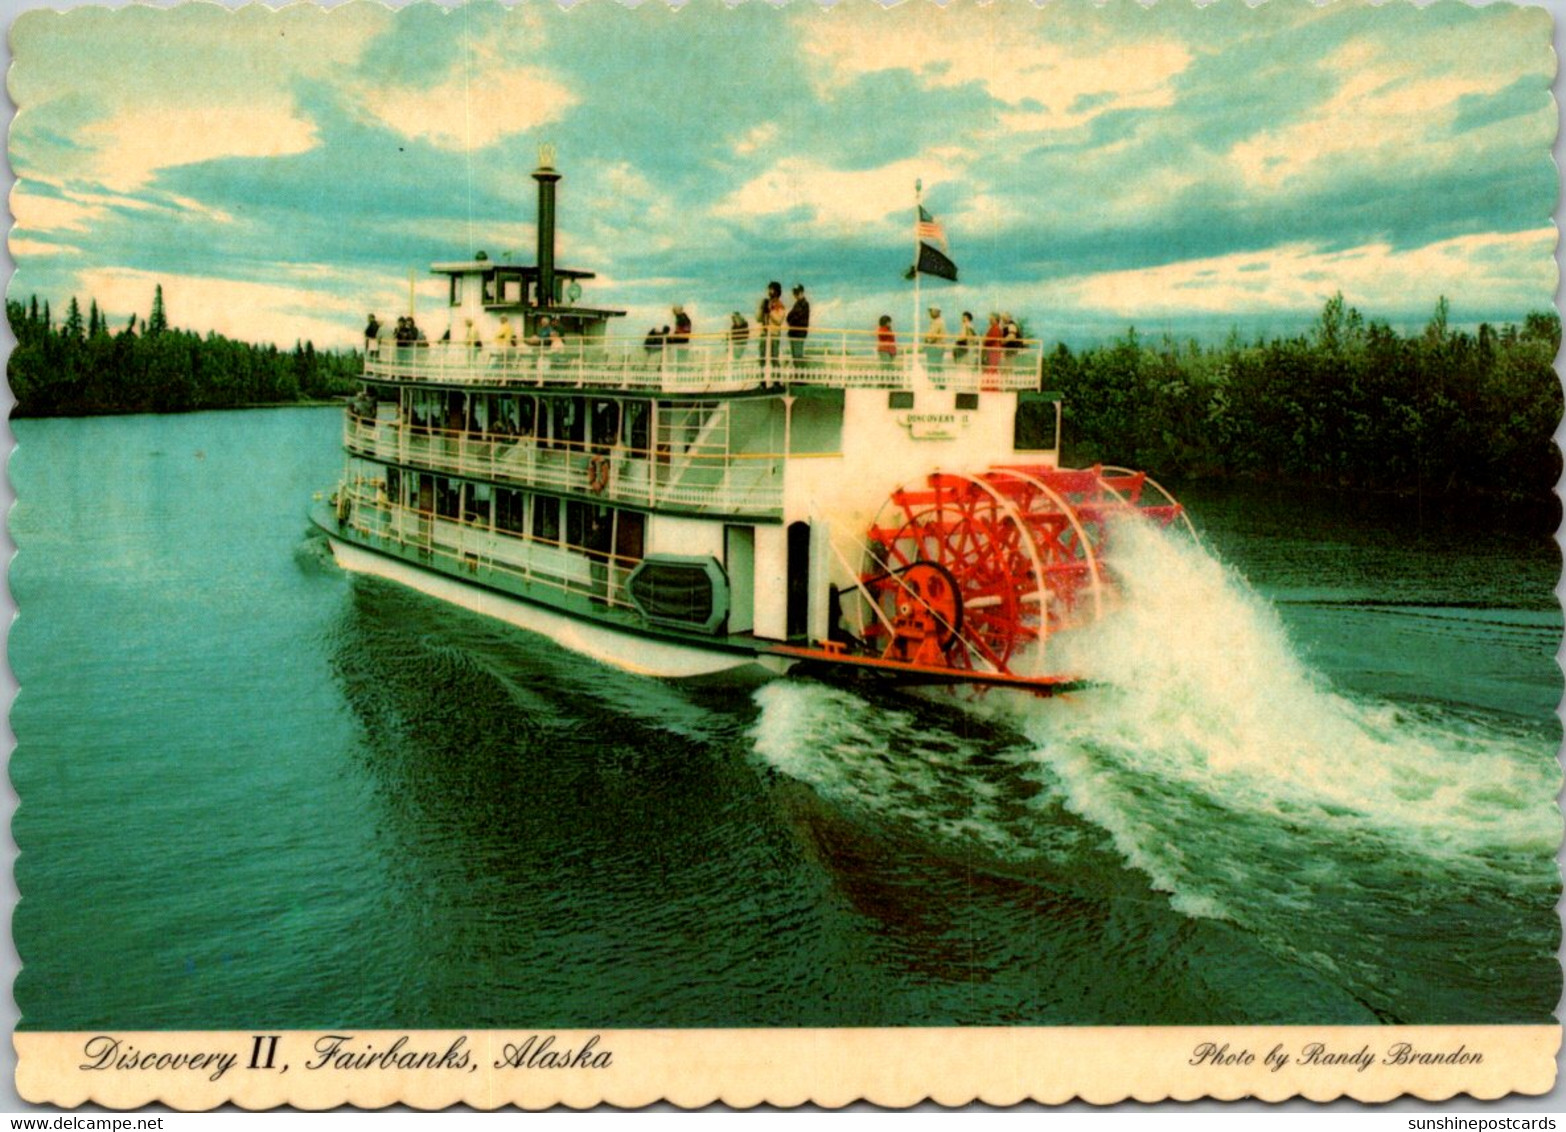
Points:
x=598, y=474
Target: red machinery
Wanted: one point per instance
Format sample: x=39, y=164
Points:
x=967, y=576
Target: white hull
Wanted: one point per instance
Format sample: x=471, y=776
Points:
x=633, y=653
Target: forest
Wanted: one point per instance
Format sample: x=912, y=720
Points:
x=82, y=367
x=1350, y=405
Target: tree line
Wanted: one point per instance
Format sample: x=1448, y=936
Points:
x=81, y=367
x=1350, y=405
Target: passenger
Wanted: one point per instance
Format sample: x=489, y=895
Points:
x=886, y=342
x=681, y=338
x=372, y=329
x=769, y=320
x=993, y=336
x=935, y=341
x=503, y=345
x=798, y=328
x=967, y=339
x=403, y=339
x=739, y=334
x=556, y=346
x=1011, y=340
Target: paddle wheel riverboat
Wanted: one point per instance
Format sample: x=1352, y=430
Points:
x=681, y=508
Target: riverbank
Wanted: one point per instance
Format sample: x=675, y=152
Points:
x=336, y=402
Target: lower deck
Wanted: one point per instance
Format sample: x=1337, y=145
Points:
x=719, y=587
x=597, y=633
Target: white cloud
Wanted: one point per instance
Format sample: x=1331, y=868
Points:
x=249, y=312
x=1380, y=114
x=477, y=105
x=842, y=202
x=150, y=89
x=1046, y=86
x=21, y=246
x=1515, y=269
x=77, y=211
x=135, y=144
x=36, y=213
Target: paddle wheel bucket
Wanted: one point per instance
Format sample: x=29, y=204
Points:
x=976, y=571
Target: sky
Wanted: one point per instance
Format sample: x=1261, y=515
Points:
x=1185, y=170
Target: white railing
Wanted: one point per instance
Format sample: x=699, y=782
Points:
x=692, y=480
x=846, y=359
x=468, y=548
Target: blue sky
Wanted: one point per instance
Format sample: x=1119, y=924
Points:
x=1184, y=170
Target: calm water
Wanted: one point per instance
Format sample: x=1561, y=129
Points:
x=257, y=793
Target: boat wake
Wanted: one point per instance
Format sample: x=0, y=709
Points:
x=1211, y=759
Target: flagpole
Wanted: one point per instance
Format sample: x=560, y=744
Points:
x=916, y=356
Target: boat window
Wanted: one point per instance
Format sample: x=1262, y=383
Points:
x=630, y=535
x=511, y=291
x=546, y=518
x=900, y=399
x=447, y=497
x=635, y=428
x=477, y=503
x=1034, y=424
x=577, y=421
x=456, y=290
x=588, y=525
x=567, y=422
x=576, y=523
x=967, y=400
x=524, y=413
x=394, y=484
x=606, y=423
x=510, y=513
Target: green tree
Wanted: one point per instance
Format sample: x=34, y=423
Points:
x=159, y=322
x=73, y=321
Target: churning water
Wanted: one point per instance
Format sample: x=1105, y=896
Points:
x=1345, y=833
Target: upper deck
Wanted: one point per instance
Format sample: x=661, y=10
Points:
x=709, y=364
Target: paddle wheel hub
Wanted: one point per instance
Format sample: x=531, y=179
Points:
x=975, y=572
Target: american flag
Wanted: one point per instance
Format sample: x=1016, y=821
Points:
x=929, y=228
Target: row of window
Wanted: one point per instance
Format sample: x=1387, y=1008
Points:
x=505, y=288
x=567, y=421
x=583, y=524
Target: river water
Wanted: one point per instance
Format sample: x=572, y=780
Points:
x=1317, y=785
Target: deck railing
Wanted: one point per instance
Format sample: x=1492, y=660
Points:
x=846, y=359
x=471, y=547
x=692, y=481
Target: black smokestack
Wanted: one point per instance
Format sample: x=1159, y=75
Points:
x=546, y=177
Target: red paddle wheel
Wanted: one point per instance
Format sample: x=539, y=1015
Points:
x=968, y=571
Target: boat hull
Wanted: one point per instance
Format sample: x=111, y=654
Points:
x=644, y=655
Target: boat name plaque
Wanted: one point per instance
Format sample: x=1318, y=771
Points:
x=934, y=426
